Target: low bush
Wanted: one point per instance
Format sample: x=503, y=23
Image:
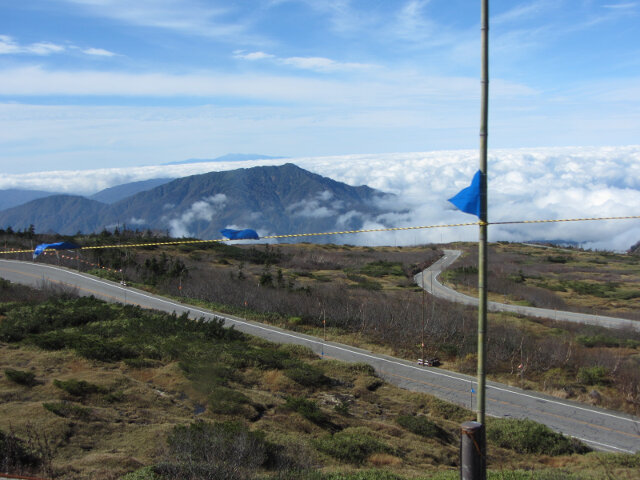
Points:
x=21, y=377
x=598, y=340
x=78, y=388
x=307, y=408
x=527, y=436
x=421, y=425
x=204, y=450
x=226, y=401
x=144, y=473
x=15, y=454
x=96, y=348
x=363, y=282
x=449, y=411
x=353, y=445
x=68, y=410
x=306, y=375
x=381, y=268
x=593, y=375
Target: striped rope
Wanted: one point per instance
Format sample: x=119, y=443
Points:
x=345, y=232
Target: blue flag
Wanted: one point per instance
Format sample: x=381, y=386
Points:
x=468, y=199
x=246, y=234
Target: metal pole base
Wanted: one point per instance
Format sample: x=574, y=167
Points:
x=472, y=451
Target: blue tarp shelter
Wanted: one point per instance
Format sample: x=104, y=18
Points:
x=54, y=246
x=246, y=234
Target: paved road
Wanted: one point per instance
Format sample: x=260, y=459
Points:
x=605, y=430
x=428, y=279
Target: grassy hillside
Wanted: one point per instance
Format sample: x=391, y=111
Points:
x=94, y=390
x=365, y=296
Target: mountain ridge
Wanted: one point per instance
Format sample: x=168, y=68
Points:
x=271, y=199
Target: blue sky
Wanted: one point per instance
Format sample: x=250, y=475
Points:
x=92, y=83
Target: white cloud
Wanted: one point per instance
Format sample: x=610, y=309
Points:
x=203, y=209
x=252, y=55
x=100, y=52
x=8, y=46
x=322, y=64
x=185, y=16
x=318, y=64
x=622, y=6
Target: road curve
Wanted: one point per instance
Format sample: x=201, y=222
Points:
x=602, y=429
x=428, y=279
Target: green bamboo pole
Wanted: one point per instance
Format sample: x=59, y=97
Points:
x=482, y=243
x=482, y=240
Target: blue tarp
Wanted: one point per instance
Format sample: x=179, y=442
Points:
x=246, y=234
x=468, y=199
x=55, y=246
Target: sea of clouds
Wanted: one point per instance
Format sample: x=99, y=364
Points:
x=524, y=184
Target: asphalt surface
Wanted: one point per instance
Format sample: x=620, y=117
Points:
x=428, y=279
x=602, y=429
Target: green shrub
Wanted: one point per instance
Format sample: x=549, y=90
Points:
x=224, y=450
x=306, y=375
x=421, y=426
x=144, y=473
x=527, y=436
x=55, y=340
x=598, y=340
x=558, y=259
x=267, y=358
x=78, y=388
x=21, y=377
x=68, y=410
x=353, y=445
x=307, y=408
x=226, y=401
x=381, y=268
x=363, y=282
x=15, y=455
x=362, y=368
x=449, y=411
x=593, y=375
x=342, y=408
x=95, y=348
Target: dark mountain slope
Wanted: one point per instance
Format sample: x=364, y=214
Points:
x=12, y=197
x=273, y=200
x=66, y=214
x=119, y=192
x=278, y=199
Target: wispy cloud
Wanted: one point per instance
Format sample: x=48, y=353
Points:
x=252, y=55
x=100, y=52
x=622, y=6
x=189, y=17
x=8, y=46
x=318, y=64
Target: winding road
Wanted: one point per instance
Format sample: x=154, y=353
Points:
x=602, y=429
x=428, y=279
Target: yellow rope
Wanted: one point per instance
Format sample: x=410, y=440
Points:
x=345, y=232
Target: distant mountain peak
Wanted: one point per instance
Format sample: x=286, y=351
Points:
x=229, y=157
